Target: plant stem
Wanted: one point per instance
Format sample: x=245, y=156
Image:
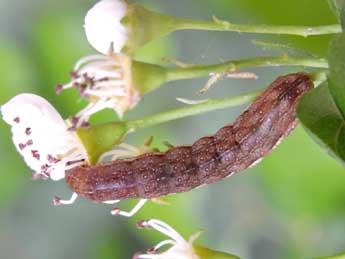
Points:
x=234, y=65
x=219, y=25
x=209, y=105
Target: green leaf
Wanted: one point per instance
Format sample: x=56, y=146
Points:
x=321, y=116
x=322, y=111
x=336, y=80
x=336, y=7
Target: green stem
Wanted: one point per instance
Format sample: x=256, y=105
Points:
x=234, y=65
x=218, y=25
x=209, y=105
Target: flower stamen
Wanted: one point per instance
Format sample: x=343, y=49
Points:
x=106, y=81
x=180, y=248
x=132, y=212
x=58, y=201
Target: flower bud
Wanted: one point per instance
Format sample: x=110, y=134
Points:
x=114, y=25
x=103, y=26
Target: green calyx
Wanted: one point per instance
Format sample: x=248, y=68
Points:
x=101, y=138
x=206, y=253
x=145, y=25
x=147, y=77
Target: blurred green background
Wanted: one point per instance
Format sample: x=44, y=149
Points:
x=292, y=205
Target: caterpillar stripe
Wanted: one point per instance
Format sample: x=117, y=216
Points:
x=268, y=120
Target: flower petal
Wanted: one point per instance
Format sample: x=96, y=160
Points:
x=103, y=25
x=41, y=135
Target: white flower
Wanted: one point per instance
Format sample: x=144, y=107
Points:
x=106, y=81
x=103, y=26
x=180, y=248
x=42, y=137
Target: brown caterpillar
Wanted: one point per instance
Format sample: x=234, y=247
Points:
x=232, y=149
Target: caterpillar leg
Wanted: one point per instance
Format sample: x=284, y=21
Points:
x=58, y=201
x=137, y=207
x=111, y=202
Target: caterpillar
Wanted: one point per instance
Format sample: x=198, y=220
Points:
x=234, y=148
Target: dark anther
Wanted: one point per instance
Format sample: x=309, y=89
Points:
x=136, y=255
x=74, y=75
x=75, y=120
x=29, y=142
x=35, y=154
x=45, y=167
x=85, y=124
x=52, y=159
x=151, y=250
x=57, y=201
x=72, y=128
x=102, y=79
x=28, y=131
x=115, y=211
x=89, y=80
x=58, y=89
x=141, y=224
x=76, y=85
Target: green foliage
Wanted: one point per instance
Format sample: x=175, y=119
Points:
x=322, y=111
x=336, y=80
x=337, y=7
x=320, y=115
